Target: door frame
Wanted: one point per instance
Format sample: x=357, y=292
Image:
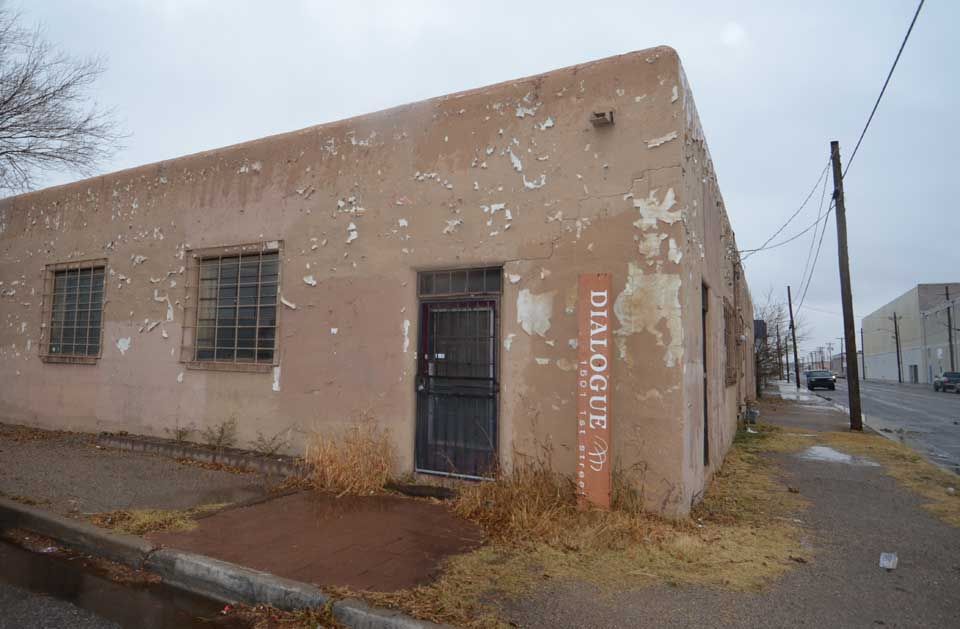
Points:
x=423, y=300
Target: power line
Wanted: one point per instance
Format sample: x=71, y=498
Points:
x=884, y=89
x=789, y=220
x=815, y=257
x=750, y=252
x=806, y=265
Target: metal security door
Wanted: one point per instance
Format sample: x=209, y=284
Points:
x=457, y=388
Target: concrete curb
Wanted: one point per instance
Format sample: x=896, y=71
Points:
x=129, y=550
x=278, y=464
x=219, y=580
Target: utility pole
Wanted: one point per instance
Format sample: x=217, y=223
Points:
x=779, y=357
x=846, y=294
x=946, y=291
x=793, y=333
x=896, y=339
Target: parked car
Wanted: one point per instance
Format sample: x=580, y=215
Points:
x=947, y=381
x=821, y=378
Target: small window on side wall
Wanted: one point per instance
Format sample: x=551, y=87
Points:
x=72, y=312
x=730, y=342
x=231, y=317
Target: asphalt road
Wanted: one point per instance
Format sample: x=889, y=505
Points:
x=927, y=421
x=22, y=609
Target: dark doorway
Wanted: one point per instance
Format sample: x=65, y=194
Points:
x=457, y=375
x=704, y=294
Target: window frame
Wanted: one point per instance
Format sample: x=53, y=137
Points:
x=730, y=325
x=46, y=312
x=191, y=310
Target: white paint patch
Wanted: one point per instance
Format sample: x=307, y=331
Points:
x=542, y=361
x=403, y=222
x=536, y=183
x=829, y=455
x=276, y=378
x=546, y=124
x=352, y=233
x=655, y=142
x=517, y=164
x=288, y=304
x=334, y=331
x=309, y=280
x=180, y=378
x=526, y=111
x=652, y=210
x=123, y=344
x=674, y=254
x=534, y=311
x=508, y=341
x=514, y=278
x=649, y=244
x=452, y=225
x=674, y=96
x=645, y=302
x=405, y=327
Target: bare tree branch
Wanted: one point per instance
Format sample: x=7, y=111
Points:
x=47, y=121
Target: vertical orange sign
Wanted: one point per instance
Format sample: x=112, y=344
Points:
x=594, y=388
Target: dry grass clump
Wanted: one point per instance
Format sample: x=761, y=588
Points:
x=143, y=521
x=359, y=460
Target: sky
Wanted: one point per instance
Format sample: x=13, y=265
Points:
x=774, y=82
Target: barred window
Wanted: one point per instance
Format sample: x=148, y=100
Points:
x=730, y=342
x=236, y=307
x=73, y=312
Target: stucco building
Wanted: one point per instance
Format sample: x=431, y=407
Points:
x=417, y=266
x=921, y=325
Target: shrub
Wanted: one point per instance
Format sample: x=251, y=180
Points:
x=222, y=435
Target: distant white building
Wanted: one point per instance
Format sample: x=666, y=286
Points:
x=918, y=320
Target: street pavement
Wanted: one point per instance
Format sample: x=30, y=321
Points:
x=21, y=609
x=925, y=420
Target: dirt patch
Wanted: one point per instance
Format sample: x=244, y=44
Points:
x=378, y=543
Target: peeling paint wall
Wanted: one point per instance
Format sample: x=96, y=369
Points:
x=708, y=255
x=513, y=175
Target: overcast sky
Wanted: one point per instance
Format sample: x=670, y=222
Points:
x=774, y=82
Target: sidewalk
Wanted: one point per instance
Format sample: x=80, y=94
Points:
x=856, y=511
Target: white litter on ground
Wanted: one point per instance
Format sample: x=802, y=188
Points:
x=824, y=453
x=888, y=561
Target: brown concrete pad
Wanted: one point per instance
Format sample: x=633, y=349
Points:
x=380, y=543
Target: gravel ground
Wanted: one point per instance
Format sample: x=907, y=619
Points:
x=20, y=609
x=857, y=512
x=67, y=473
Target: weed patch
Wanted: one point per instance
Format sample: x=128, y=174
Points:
x=359, y=460
x=143, y=521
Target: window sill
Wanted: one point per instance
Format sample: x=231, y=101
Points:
x=202, y=365
x=70, y=360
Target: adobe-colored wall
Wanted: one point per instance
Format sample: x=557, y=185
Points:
x=414, y=182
